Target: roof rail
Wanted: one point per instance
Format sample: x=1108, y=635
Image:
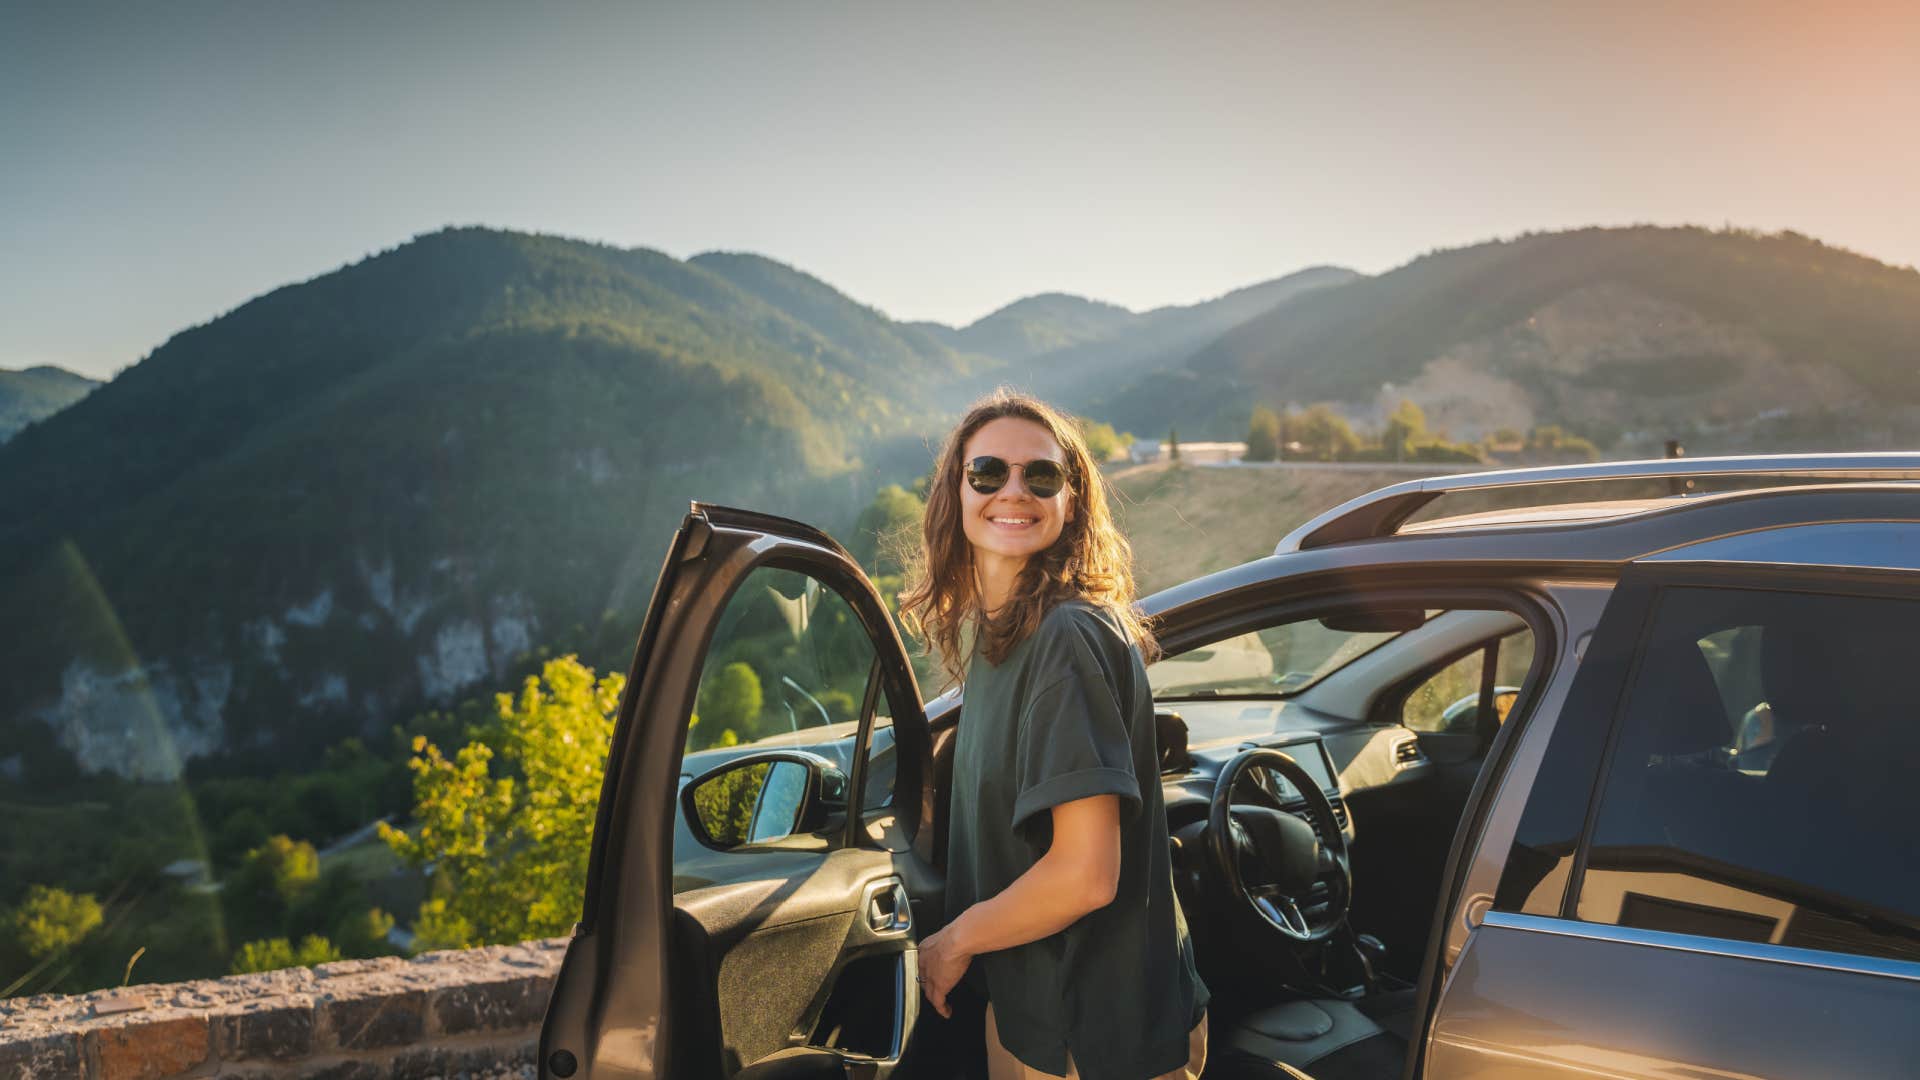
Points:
x=1382, y=512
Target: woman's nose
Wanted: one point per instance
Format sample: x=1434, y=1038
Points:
x=1017, y=483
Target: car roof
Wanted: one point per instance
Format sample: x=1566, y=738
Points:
x=1580, y=545
x=1385, y=511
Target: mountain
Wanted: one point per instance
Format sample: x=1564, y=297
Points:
x=37, y=393
x=373, y=492
x=1726, y=339
x=1071, y=351
x=1041, y=324
x=888, y=350
x=370, y=491
x=1079, y=375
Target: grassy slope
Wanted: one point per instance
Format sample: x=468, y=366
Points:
x=1185, y=522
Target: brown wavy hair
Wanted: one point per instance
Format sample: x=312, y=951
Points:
x=1090, y=560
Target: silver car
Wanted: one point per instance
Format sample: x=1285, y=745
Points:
x=1594, y=771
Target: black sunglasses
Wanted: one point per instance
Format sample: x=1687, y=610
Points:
x=1044, y=478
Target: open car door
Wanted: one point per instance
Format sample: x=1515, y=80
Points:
x=754, y=893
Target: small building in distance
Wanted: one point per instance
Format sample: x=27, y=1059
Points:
x=1145, y=452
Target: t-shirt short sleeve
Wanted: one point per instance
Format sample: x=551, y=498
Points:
x=1074, y=742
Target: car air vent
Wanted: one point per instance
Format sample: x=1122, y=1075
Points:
x=1407, y=752
x=1339, y=811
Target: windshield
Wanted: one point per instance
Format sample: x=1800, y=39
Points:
x=1278, y=661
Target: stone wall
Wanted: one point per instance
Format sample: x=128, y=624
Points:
x=446, y=1014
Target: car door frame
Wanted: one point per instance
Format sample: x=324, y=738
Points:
x=610, y=1014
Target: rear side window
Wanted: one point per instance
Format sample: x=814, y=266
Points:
x=1762, y=785
x=1449, y=700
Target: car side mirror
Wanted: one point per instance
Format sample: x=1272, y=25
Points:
x=763, y=797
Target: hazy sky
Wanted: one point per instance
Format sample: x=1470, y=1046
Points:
x=161, y=163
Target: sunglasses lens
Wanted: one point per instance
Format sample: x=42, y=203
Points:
x=987, y=475
x=1045, y=478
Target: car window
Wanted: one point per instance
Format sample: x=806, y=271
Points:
x=787, y=668
x=1277, y=660
x=1759, y=788
x=1449, y=700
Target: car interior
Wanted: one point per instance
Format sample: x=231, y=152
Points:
x=1391, y=713
x=1349, y=741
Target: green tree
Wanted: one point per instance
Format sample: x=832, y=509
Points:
x=1263, y=435
x=51, y=919
x=1324, y=434
x=282, y=866
x=364, y=934
x=731, y=700
x=272, y=954
x=1102, y=441
x=1173, y=445
x=270, y=882
x=1406, y=425
x=886, y=529
x=509, y=845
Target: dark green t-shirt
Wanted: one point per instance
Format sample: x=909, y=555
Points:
x=1066, y=716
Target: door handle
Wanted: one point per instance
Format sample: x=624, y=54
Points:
x=889, y=911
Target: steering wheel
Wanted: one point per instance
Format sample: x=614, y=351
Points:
x=1271, y=859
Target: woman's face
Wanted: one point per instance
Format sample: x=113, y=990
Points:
x=1012, y=524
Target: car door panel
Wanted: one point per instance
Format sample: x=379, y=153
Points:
x=780, y=954
x=1637, y=1010
x=780, y=946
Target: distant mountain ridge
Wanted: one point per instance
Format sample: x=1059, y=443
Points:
x=37, y=393
x=1727, y=339
x=368, y=493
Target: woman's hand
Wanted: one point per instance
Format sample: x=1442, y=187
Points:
x=942, y=962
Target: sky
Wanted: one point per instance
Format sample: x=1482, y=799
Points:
x=160, y=164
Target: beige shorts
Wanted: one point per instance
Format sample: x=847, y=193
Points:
x=1002, y=1065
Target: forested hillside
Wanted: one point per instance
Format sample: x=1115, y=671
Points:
x=367, y=492
x=37, y=393
x=1729, y=340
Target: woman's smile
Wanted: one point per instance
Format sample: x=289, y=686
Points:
x=1008, y=526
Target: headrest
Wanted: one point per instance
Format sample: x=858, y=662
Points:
x=1689, y=714
x=1795, y=668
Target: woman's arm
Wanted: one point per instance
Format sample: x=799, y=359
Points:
x=1079, y=874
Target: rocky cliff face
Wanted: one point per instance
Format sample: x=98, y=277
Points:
x=146, y=721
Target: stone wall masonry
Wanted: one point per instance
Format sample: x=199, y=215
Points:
x=472, y=1013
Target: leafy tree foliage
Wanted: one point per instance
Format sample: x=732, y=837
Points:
x=272, y=954
x=1406, y=426
x=1323, y=435
x=1263, y=435
x=507, y=821
x=887, y=528
x=284, y=865
x=1553, y=442
x=364, y=933
x=51, y=919
x=731, y=699
x=1103, y=442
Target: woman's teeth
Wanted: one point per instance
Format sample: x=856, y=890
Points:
x=1012, y=521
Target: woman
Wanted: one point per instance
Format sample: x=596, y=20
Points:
x=1059, y=884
